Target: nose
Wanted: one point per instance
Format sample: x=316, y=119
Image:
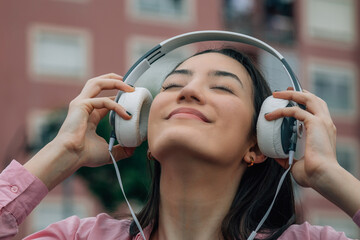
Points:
x=191, y=92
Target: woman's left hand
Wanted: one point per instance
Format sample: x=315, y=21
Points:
x=319, y=168
x=320, y=146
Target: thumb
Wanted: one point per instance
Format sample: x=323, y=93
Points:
x=284, y=162
x=120, y=152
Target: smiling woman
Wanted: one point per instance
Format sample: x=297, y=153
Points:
x=206, y=161
x=210, y=181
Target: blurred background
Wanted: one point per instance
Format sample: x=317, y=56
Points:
x=49, y=48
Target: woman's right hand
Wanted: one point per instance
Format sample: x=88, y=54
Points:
x=85, y=111
x=77, y=143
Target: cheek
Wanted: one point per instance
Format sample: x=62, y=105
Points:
x=156, y=115
x=237, y=116
x=236, y=126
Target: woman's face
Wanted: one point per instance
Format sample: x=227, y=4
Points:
x=205, y=109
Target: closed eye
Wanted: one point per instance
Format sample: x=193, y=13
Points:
x=223, y=88
x=170, y=85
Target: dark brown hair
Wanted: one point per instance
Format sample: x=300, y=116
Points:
x=256, y=188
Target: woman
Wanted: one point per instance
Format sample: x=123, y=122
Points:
x=202, y=135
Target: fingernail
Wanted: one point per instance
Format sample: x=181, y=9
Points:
x=132, y=87
x=128, y=113
x=266, y=113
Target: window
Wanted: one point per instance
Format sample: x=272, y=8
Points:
x=331, y=19
x=42, y=127
x=279, y=21
x=59, y=52
x=276, y=24
x=158, y=10
x=162, y=7
x=239, y=16
x=336, y=86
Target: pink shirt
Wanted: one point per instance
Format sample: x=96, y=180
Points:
x=20, y=195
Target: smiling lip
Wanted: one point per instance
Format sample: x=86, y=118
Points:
x=188, y=113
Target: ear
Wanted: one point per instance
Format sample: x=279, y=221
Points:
x=254, y=155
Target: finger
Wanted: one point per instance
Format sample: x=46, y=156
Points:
x=295, y=112
x=292, y=89
x=313, y=104
x=100, y=113
x=96, y=116
x=94, y=86
x=122, y=152
x=104, y=102
x=111, y=76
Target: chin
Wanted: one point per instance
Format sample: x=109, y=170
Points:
x=187, y=143
x=179, y=140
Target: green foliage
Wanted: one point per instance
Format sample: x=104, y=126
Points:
x=49, y=129
x=102, y=181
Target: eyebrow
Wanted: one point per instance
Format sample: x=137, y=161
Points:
x=180, y=71
x=216, y=73
x=219, y=73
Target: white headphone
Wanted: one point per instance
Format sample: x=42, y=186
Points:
x=275, y=138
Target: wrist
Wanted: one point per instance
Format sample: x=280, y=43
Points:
x=323, y=179
x=337, y=185
x=53, y=163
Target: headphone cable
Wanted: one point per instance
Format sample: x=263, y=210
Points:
x=111, y=144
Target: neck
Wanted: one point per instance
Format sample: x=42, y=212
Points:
x=195, y=196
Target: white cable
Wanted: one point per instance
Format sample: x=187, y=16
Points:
x=253, y=233
x=123, y=192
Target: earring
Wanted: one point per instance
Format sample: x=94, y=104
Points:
x=251, y=162
x=149, y=156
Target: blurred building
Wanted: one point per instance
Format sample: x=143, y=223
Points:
x=49, y=48
x=321, y=40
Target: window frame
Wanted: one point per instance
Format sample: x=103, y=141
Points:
x=85, y=35
x=341, y=67
x=331, y=37
x=186, y=18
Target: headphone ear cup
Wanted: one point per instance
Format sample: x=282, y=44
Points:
x=131, y=133
x=269, y=132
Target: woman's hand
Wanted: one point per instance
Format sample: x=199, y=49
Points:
x=77, y=143
x=320, y=146
x=85, y=111
x=319, y=168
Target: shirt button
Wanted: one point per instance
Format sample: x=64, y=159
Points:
x=14, y=189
